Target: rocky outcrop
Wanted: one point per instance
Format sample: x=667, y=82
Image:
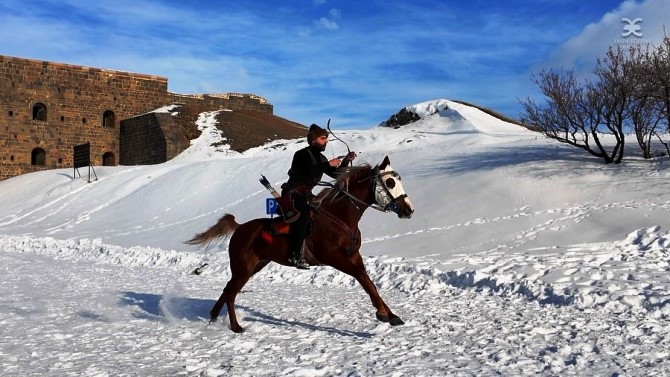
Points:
x=401, y=118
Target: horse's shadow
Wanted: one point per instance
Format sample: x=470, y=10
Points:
x=163, y=308
x=256, y=316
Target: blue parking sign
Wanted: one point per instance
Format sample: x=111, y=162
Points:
x=271, y=206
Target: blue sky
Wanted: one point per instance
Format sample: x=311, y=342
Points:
x=356, y=62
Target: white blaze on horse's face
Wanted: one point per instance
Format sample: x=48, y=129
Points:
x=389, y=192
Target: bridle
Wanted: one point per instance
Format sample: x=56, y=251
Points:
x=384, y=201
x=381, y=194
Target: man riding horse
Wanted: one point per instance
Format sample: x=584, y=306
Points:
x=336, y=239
x=307, y=169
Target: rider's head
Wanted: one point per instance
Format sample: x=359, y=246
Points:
x=317, y=137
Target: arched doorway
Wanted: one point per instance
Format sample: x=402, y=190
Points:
x=38, y=157
x=108, y=159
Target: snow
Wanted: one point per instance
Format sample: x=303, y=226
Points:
x=523, y=257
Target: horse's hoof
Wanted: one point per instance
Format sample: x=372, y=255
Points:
x=237, y=329
x=382, y=317
x=395, y=321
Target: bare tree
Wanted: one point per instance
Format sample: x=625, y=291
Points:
x=582, y=114
x=618, y=80
x=661, y=75
x=646, y=118
x=571, y=115
x=659, y=81
x=643, y=108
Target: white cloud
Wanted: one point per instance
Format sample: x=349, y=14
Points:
x=582, y=50
x=328, y=24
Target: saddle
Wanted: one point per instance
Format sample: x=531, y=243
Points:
x=275, y=227
x=286, y=200
x=278, y=227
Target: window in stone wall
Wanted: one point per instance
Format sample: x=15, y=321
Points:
x=38, y=157
x=11, y=113
x=40, y=112
x=108, y=119
x=108, y=159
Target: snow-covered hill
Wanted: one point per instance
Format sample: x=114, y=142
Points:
x=523, y=257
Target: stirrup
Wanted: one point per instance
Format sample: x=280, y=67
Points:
x=298, y=263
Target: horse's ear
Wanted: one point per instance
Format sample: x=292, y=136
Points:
x=385, y=163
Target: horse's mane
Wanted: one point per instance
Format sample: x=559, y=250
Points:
x=342, y=180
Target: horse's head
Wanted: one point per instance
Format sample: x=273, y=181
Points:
x=388, y=191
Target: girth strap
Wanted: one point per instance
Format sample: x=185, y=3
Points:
x=342, y=224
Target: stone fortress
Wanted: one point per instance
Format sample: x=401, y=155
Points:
x=47, y=108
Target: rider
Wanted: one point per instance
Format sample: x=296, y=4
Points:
x=307, y=168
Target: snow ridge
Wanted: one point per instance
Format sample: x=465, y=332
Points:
x=642, y=258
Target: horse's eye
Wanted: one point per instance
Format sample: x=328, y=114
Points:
x=390, y=183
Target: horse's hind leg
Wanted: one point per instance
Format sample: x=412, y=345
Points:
x=231, y=290
x=259, y=266
x=228, y=296
x=234, y=286
x=357, y=270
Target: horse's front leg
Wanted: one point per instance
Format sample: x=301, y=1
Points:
x=384, y=313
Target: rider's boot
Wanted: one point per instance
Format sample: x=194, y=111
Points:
x=298, y=261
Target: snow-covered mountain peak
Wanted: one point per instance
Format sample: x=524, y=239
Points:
x=447, y=114
x=429, y=108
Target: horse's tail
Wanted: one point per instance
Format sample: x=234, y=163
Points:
x=224, y=228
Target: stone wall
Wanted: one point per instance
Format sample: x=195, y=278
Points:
x=46, y=108
x=142, y=141
x=233, y=101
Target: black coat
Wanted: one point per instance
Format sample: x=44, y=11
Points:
x=307, y=169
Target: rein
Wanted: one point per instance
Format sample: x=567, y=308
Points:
x=335, y=219
x=353, y=198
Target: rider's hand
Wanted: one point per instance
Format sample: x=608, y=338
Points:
x=335, y=162
x=351, y=156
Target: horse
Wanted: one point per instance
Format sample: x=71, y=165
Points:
x=334, y=239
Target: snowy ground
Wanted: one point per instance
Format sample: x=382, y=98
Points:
x=524, y=257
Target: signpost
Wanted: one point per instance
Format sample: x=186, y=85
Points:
x=82, y=158
x=271, y=206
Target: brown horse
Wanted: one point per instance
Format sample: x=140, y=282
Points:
x=335, y=238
